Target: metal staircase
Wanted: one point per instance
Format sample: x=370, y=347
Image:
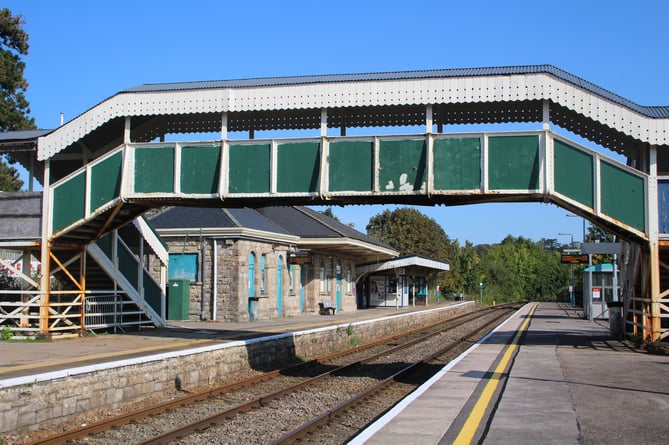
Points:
x=96, y=286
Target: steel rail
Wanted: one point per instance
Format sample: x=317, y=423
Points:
x=325, y=418
x=123, y=419
x=217, y=418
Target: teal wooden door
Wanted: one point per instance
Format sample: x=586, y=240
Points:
x=303, y=283
x=250, y=284
x=338, y=286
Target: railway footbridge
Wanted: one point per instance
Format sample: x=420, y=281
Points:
x=284, y=141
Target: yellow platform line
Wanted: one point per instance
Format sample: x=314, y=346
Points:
x=473, y=421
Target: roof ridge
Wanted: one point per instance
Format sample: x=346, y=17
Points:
x=234, y=220
x=404, y=75
x=272, y=222
x=303, y=209
x=316, y=216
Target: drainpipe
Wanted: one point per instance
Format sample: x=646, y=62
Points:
x=203, y=315
x=215, y=282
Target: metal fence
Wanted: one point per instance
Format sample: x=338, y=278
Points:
x=20, y=312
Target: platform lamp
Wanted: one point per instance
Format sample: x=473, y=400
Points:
x=572, y=300
x=570, y=215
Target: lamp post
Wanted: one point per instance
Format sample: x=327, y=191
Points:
x=572, y=300
x=481, y=293
x=569, y=215
x=589, y=291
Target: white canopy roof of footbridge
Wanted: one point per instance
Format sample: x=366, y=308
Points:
x=477, y=95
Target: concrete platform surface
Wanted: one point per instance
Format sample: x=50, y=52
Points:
x=566, y=382
x=24, y=358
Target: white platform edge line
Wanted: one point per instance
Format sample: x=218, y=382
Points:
x=63, y=373
x=390, y=415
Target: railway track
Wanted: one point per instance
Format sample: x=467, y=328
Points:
x=326, y=400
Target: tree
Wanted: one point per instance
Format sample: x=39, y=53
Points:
x=550, y=244
x=520, y=269
x=14, y=107
x=328, y=212
x=469, y=269
x=410, y=232
x=9, y=178
x=597, y=234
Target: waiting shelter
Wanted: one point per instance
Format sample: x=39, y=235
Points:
x=602, y=279
x=398, y=282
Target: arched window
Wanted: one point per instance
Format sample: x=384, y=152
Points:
x=251, y=274
x=321, y=277
x=291, y=280
x=279, y=286
x=263, y=275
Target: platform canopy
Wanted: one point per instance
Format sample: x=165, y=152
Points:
x=403, y=262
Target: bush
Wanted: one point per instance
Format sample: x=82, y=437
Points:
x=6, y=333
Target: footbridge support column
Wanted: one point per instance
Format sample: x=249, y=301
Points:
x=655, y=316
x=653, y=238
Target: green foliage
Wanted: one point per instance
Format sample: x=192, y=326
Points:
x=14, y=107
x=410, y=232
x=6, y=333
x=597, y=234
x=9, y=178
x=519, y=269
x=469, y=269
x=328, y=212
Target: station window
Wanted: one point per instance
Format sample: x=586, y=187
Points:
x=263, y=275
x=321, y=278
x=291, y=279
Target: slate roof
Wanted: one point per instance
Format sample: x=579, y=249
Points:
x=21, y=135
x=308, y=223
x=299, y=221
x=204, y=217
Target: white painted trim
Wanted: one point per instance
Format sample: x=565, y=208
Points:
x=402, y=262
x=375, y=427
x=54, y=375
x=426, y=91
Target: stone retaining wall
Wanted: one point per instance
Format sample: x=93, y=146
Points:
x=50, y=397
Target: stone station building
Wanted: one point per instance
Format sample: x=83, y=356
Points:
x=255, y=264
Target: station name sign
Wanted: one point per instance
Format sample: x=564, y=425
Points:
x=573, y=258
x=301, y=257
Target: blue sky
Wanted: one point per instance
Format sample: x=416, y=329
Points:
x=82, y=52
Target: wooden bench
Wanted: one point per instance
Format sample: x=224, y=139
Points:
x=327, y=307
